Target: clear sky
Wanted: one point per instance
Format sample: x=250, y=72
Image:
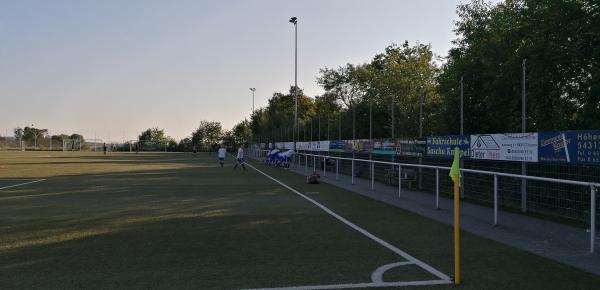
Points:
x=113, y=68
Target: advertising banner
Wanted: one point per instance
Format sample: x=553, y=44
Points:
x=322, y=146
x=384, y=147
x=576, y=147
x=313, y=146
x=337, y=146
x=303, y=146
x=507, y=147
x=443, y=146
x=411, y=147
x=359, y=145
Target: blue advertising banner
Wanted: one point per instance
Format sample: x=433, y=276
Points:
x=443, y=146
x=576, y=147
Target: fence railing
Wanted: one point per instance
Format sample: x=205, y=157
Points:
x=593, y=186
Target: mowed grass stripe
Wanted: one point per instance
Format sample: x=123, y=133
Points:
x=193, y=225
x=486, y=264
x=363, y=231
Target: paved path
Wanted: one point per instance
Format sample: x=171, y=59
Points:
x=566, y=244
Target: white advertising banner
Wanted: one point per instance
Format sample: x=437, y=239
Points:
x=319, y=146
x=313, y=146
x=507, y=147
x=288, y=145
x=303, y=146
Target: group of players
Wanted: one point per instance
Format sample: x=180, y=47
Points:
x=278, y=158
x=222, y=152
x=275, y=157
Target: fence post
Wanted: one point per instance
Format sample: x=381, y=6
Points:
x=305, y=162
x=495, y=199
x=437, y=188
x=314, y=163
x=324, y=166
x=337, y=168
x=593, y=219
x=352, y=178
x=372, y=176
x=399, y=181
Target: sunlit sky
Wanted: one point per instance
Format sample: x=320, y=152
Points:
x=109, y=69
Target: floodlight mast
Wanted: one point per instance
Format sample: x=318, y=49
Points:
x=35, y=136
x=253, y=90
x=294, y=20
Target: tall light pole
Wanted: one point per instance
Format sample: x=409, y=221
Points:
x=523, y=129
x=462, y=127
x=34, y=136
x=253, y=90
x=294, y=20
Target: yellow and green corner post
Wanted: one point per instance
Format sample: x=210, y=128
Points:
x=455, y=175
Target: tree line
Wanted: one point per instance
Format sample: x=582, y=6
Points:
x=36, y=138
x=547, y=49
x=206, y=137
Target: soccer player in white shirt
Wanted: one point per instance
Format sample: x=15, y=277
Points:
x=221, y=153
x=240, y=159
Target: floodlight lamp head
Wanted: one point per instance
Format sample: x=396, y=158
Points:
x=294, y=20
x=253, y=89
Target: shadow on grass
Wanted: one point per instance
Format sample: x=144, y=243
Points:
x=208, y=227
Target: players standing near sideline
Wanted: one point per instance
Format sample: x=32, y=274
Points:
x=272, y=157
x=240, y=159
x=221, y=153
x=104, y=148
x=195, y=150
x=287, y=156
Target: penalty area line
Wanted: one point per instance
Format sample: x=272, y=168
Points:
x=21, y=184
x=444, y=278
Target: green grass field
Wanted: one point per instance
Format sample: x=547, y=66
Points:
x=177, y=221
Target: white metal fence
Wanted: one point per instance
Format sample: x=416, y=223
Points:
x=322, y=160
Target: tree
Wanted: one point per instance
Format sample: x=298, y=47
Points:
x=31, y=134
x=60, y=137
x=18, y=133
x=207, y=135
x=185, y=144
x=276, y=121
x=393, y=81
x=172, y=145
x=77, y=137
x=241, y=133
x=152, y=139
x=558, y=39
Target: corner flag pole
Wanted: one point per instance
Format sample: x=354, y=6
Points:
x=455, y=175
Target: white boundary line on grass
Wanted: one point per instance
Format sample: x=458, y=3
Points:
x=20, y=184
x=361, y=285
x=444, y=278
x=377, y=275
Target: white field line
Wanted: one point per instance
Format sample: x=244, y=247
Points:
x=20, y=184
x=360, y=285
x=389, y=246
x=377, y=275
